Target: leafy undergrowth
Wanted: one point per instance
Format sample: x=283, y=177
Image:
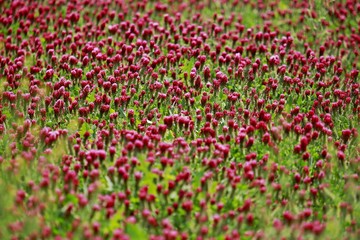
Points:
x=179, y=119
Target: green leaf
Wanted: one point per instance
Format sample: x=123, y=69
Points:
x=187, y=66
x=148, y=176
x=91, y=97
x=84, y=128
x=71, y=199
x=110, y=185
x=299, y=101
x=72, y=126
x=115, y=221
x=7, y=113
x=331, y=195
x=122, y=113
x=136, y=232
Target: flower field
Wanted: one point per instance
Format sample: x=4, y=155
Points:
x=167, y=120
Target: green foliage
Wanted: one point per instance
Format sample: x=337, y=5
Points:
x=73, y=182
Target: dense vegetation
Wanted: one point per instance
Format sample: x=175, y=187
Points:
x=179, y=119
